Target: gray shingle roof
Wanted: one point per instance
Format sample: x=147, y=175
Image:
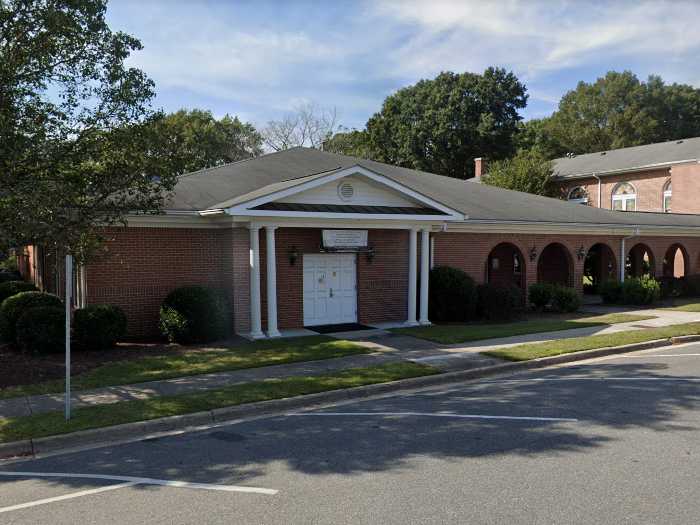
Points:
x=624, y=159
x=242, y=181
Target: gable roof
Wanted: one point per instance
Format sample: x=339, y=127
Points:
x=239, y=182
x=635, y=158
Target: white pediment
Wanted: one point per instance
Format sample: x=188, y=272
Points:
x=353, y=189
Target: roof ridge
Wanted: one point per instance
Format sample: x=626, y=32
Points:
x=628, y=147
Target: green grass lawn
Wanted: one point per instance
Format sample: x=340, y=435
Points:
x=251, y=355
x=526, y=352
x=52, y=423
x=462, y=333
x=688, y=305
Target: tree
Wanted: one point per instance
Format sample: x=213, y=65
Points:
x=195, y=139
x=528, y=171
x=77, y=144
x=618, y=111
x=441, y=125
x=349, y=142
x=308, y=125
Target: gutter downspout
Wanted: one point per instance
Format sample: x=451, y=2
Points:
x=600, y=197
x=623, y=255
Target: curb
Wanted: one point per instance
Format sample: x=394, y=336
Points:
x=188, y=422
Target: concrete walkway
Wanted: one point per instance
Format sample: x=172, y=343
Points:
x=386, y=346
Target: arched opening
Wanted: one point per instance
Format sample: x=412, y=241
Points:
x=599, y=266
x=506, y=266
x=555, y=265
x=676, y=261
x=578, y=195
x=640, y=261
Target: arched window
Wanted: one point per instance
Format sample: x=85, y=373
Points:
x=624, y=197
x=667, y=197
x=578, y=195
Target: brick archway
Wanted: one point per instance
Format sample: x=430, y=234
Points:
x=676, y=262
x=640, y=261
x=555, y=265
x=599, y=266
x=505, y=265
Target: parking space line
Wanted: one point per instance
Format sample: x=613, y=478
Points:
x=143, y=481
x=431, y=414
x=66, y=496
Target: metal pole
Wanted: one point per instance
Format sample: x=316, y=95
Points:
x=69, y=285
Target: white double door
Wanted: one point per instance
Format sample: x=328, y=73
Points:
x=330, y=289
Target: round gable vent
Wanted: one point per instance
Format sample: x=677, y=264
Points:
x=345, y=191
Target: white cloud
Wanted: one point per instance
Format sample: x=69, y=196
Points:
x=539, y=36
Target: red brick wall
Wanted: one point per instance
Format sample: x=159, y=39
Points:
x=382, y=283
x=142, y=265
x=686, y=188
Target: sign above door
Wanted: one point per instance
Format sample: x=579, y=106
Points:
x=344, y=239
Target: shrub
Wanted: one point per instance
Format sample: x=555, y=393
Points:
x=13, y=307
x=611, y=291
x=99, y=327
x=452, y=295
x=540, y=295
x=195, y=314
x=42, y=329
x=691, y=285
x=9, y=275
x=10, y=288
x=672, y=287
x=565, y=299
x=499, y=303
x=640, y=290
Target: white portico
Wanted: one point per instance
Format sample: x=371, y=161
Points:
x=323, y=241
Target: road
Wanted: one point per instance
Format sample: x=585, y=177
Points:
x=614, y=440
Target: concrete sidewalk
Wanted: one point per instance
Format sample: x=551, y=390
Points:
x=386, y=346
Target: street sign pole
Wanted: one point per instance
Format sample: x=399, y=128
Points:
x=69, y=286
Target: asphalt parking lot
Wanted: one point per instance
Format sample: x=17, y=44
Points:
x=614, y=440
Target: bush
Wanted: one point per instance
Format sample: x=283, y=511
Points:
x=672, y=287
x=195, y=314
x=13, y=307
x=499, y=303
x=565, y=299
x=540, y=295
x=691, y=285
x=640, y=290
x=99, y=327
x=611, y=291
x=452, y=295
x=9, y=275
x=42, y=329
x=10, y=288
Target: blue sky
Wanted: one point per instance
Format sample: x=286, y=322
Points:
x=259, y=59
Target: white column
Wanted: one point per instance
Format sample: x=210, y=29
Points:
x=424, y=274
x=255, y=318
x=412, y=276
x=271, y=258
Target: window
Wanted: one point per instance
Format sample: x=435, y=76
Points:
x=624, y=197
x=667, y=197
x=578, y=195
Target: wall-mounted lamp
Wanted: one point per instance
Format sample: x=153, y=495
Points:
x=370, y=254
x=581, y=253
x=293, y=255
x=533, y=254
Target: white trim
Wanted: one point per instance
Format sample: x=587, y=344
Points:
x=245, y=208
x=331, y=215
x=646, y=167
x=623, y=198
x=271, y=281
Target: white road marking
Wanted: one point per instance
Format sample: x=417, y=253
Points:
x=543, y=379
x=143, y=481
x=432, y=414
x=663, y=355
x=67, y=496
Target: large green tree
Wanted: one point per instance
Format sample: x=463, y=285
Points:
x=616, y=111
x=77, y=144
x=441, y=125
x=349, y=142
x=195, y=139
x=529, y=171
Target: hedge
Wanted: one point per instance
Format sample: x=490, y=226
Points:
x=99, y=327
x=10, y=288
x=13, y=307
x=452, y=295
x=42, y=329
x=195, y=314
